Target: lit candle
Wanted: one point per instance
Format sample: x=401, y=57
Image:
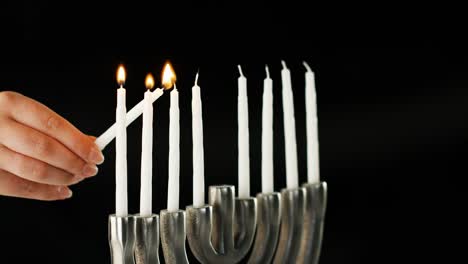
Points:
x=292, y=177
x=103, y=140
x=313, y=171
x=146, y=187
x=198, y=156
x=243, y=137
x=121, y=207
x=174, y=139
x=267, y=134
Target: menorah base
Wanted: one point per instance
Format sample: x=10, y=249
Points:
x=223, y=231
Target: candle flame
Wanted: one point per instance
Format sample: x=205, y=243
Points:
x=121, y=75
x=168, y=76
x=149, y=81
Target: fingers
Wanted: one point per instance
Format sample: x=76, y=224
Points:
x=34, y=170
x=11, y=185
x=34, y=144
x=39, y=117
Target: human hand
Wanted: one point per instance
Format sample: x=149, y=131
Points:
x=41, y=153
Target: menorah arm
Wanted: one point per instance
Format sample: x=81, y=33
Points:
x=199, y=230
x=314, y=218
x=245, y=222
x=146, y=239
x=173, y=237
x=268, y=227
x=121, y=239
x=292, y=217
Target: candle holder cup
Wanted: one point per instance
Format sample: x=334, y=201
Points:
x=223, y=231
x=292, y=219
x=173, y=237
x=122, y=239
x=268, y=227
x=314, y=218
x=146, y=250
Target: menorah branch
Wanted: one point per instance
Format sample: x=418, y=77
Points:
x=314, y=218
x=121, y=239
x=146, y=239
x=268, y=227
x=173, y=237
x=292, y=217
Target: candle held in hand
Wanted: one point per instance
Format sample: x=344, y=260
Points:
x=169, y=79
x=292, y=177
x=243, y=137
x=267, y=134
x=198, y=156
x=313, y=166
x=103, y=140
x=146, y=187
x=121, y=207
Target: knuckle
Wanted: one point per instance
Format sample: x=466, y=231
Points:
x=52, y=123
x=8, y=98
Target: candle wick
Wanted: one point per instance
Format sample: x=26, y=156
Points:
x=196, y=78
x=307, y=66
x=175, y=87
x=284, y=65
x=240, y=71
x=267, y=71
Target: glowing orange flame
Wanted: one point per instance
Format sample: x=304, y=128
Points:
x=149, y=81
x=121, y=75
x=168, y=76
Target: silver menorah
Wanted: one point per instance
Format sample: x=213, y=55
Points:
x=287, y=227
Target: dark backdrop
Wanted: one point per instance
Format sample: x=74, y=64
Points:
x=392, y=112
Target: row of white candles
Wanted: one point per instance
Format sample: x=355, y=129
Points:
x=123, y=119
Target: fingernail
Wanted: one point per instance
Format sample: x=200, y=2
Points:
x=90, y=170
x=95, y=156
x=65, y=192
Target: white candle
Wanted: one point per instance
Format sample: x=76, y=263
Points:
x=313, y=170
x=292, y=177
x=121, y=207
x=198, y=156
x=243, y=137
x=174, y=153
x=267, y=134
x=103, y=140
x=146, y=186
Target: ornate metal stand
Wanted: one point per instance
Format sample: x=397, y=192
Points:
x=223, y=231
x=314, y=218
x=146, y=240
x=121, y=239
x=292, y=218
x=268, y=227
x=173, y=237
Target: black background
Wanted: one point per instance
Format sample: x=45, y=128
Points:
x=392, y=111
